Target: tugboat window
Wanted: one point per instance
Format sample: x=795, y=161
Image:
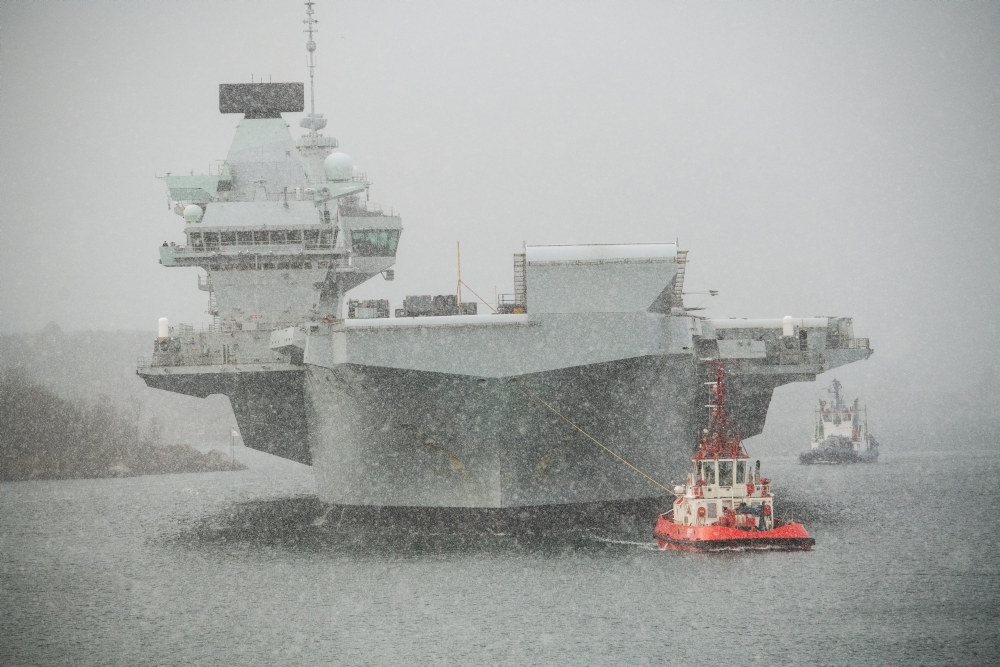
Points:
x=725, y=473
x=708, y=471
x=741, y=472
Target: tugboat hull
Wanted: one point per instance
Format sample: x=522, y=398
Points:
x=783, y=537
x=838, y=456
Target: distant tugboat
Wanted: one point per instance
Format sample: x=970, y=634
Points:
x=841, y=434
x=724, y=504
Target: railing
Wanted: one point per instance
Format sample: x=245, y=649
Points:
x=849, y=344
x=367, y=210
x=213, y=358
x=609, y=260
x=181, y=329
x=288, y=172
x=510, y=303
x=236, y=249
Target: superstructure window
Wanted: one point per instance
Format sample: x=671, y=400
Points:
x=708, y=471
x=741, y=472
x=374, y=242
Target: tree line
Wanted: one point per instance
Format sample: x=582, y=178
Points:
x=44, y=436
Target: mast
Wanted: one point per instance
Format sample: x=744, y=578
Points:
x=838, y=402
x=313, y=146
x=311, y=28
x=720, y=438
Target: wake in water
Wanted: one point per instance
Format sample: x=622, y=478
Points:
x=304, y=523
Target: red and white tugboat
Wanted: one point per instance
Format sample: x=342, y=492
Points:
x=724, y=504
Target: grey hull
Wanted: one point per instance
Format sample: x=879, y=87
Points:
x=397, y=437
x=269, y=406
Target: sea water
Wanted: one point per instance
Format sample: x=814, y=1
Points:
x=248, y=568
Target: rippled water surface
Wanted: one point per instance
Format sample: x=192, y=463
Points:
x=248, y=568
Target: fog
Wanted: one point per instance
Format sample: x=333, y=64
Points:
x=814, y=158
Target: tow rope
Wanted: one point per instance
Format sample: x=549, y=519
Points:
x=590, y=437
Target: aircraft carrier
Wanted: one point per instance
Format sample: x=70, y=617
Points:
x=592, y=359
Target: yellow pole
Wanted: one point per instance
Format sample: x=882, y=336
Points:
x=458, y=288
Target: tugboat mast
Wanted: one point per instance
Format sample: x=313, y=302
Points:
x=720, y=437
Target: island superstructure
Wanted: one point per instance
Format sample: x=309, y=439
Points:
x=452, y=410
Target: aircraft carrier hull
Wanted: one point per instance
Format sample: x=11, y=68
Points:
x=410, y=414
x=383, y=436
x=269, y=405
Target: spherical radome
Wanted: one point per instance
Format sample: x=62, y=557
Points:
x=338, y=167
x=193, y=213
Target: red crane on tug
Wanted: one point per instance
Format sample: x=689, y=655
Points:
x=723, y=504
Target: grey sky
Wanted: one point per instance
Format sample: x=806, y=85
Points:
x=815, y=158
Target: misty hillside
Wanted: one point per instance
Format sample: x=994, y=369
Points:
x=98, y=367
x=47, y=437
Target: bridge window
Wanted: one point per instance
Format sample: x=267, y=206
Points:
x=741, y=472
x=374, y=242
x=725, y=473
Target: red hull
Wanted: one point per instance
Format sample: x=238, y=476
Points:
x=783, y=537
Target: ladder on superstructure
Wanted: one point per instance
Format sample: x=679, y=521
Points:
x=520, y=284
x=678, y=300
x=213, y=306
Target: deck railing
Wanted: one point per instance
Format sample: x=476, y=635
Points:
x=216, y=246
x=850, y=344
